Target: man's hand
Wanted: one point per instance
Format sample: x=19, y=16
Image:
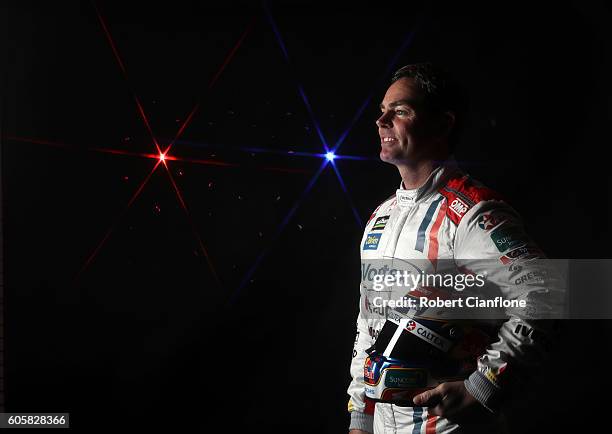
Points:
x=450, y=400
x=358, y=431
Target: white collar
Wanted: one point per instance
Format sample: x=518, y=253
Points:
x=406, y=197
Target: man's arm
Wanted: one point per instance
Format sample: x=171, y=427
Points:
x=515, y=265
x=491, y=239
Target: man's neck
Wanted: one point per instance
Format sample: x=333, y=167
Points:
x=415, y=175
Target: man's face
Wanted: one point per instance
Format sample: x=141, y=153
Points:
x=404, y=127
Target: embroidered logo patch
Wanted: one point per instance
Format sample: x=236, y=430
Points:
x=458, y=207
x=380, y=223
x=371, y=242
x=507, y=238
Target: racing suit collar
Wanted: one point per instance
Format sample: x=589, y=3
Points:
x=408, y=197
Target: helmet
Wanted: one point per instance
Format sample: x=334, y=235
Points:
x=412, y=356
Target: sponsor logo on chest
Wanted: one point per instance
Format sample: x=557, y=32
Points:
x=458, y=207
x=371, y=242
x=380, y=223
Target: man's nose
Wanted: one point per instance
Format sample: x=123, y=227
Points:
x=384, y=121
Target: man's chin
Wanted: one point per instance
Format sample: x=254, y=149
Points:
x=387, y=157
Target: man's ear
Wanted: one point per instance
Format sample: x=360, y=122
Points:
x=442, y=124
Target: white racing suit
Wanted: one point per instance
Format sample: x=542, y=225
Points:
x=451, y=217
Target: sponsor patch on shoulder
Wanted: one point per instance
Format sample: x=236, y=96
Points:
x=488, y=221
x=507, y=238
x=371, y=242
x=380, y=223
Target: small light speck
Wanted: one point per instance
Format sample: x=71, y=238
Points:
x=213, y=155
x=288, y=114
x=239, y=197
x=126, y=139
x=278, y=198
x=252, y=154
x=210, y=123
x=300, y=227
x=177, y=120
x=180, y=172
x=231, y=112
x=156, y=208
x=210, y=185
x=260, y=234
x=126, y=178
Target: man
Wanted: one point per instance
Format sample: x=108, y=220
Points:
x=438, y=214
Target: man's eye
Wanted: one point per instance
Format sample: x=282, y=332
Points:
x=401, y=112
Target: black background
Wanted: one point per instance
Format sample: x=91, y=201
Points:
x=144, y=337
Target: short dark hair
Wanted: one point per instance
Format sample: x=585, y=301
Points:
x=440, y=93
